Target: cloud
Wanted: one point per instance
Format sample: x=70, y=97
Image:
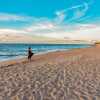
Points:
x=13, y=17
x=41, y=26
x=84, y=19
x=75, y=32
x=78, y=11
x=59, y=31
x=88, y=33
x=60, y=16
x=12, y=31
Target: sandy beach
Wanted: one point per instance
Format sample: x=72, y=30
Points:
x=62, y=75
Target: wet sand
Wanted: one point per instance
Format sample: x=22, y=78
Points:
x=66, y=75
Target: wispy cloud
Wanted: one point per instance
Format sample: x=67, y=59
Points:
x=14, y=17
x=12, y=31
x=60, y=16
x=46, y=25
x=78, y=12
x=90, y=32
x=78, y=31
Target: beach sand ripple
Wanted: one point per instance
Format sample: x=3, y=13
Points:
x=73, y=75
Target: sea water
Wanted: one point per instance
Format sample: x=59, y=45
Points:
x=13, y=51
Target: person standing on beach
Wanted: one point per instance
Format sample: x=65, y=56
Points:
x=30, y=53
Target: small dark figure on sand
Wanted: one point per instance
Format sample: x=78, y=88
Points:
x=30, y=53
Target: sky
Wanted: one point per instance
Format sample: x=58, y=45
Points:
x=62, y=19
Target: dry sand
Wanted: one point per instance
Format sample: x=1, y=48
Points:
x=67, y=75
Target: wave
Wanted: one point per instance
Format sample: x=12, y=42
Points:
x=5, y=54
x=20, y=50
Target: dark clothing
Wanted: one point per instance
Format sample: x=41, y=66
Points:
x=30, y=54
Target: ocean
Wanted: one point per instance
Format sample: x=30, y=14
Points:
x=13, y=51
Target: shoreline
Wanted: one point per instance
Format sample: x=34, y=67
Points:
x=20, y=59
x=14, y=55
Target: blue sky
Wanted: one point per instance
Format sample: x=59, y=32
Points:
x=45, y=17
x=48, y=8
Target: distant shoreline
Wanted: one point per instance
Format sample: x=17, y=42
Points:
x=81, y=42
